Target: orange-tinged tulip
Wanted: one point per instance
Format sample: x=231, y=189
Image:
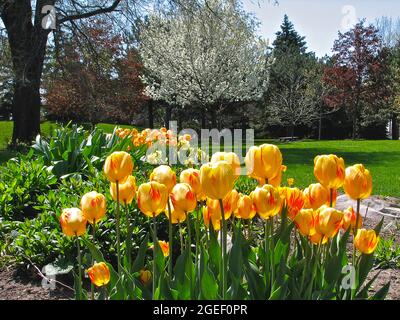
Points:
x=304, y=222
x=183, y=198
x=127, y=190
x=264, y=161
x=214, y=208
x=118, y=166
x=230, y=157
x=164, y=175
x=350, y=218
x=329, y=170
x=316, y=195
x=152, y=198
x=208, y=216
x=217, y=179
x=357, y=182
x=294, y=198
x=366, y=241
x=178, y=216
x=267, y=201
x=328, y=221
x=73, y=222
x=145, y=276
x=164, y=247
x=245, y=207
x=99, y=274
x=192, y=177
x=317, y=238
x=93, y=206
x=230, y=202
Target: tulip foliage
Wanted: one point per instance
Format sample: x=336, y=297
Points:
x=278, y=242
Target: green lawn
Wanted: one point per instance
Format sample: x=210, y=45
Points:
x=381, y=157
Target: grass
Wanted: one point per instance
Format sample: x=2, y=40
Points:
x=381, y=157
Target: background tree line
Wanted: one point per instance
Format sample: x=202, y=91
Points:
x=199, y=62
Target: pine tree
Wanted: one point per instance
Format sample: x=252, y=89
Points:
x=288, y=39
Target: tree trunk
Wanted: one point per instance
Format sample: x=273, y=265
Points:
x=395, y=127
x=168, y=112
x=292, y=131
x=203, y=120
x=213, y=117
x=320, y=127
x=28, y=48
x=151, y=114
x=354, y=131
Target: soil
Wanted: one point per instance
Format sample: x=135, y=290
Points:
x=17, y=284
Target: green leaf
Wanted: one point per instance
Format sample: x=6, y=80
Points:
x=381, y=294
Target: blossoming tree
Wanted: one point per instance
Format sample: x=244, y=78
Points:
x=204, y=54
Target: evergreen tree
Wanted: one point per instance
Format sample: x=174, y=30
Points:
x=288, y=40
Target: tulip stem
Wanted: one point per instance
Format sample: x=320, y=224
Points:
x=117, y=215
x=93, y=239
x=272, y=245
x=189, y=244
x=170, y=241
x=155, y=250
x=197, y=244
x=78, y=246
x=181, y=236
x=128, y=241
x=223, y=238
x=266, y=252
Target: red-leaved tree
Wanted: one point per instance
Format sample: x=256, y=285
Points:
x=357, y=80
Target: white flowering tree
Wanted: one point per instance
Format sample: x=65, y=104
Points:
x=204, y=54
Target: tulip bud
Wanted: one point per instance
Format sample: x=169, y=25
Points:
x=357, y=182
x=366, y=241
x=152, y=198
x=127, y=190
x=329, y=170
x=164, y=247
x=245, y=207
x=264, y=161
x=304, y=222
x=118, y=166
x=192, y=177
x=183, y=197
x=145, y=276
x=93, y=206
x=316, y=195
x=267, y=201
x=208, y=216
x=99, y=274
x=73, y=223
x=217, y=179
x=350, y=218
x=328, y=221
x=164, y=175
x=230, y=157
x=294, y=201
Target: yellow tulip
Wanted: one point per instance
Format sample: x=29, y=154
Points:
x=357, y=182
x=209, y=216
x=214, y=208
x=152, y=198
x=350, y=218
x=245, y=207
x=93, y=206
x=145, y=276
x=127, y=190
x=178, y=216
x=118, y=166
x=73, y=222
x=304, y=222
x=316, y=195
x=216, y=179
x=294, y=198
x=366, y=241
x=183, y=198
x=164, y=175
x=328, y=221
x=329, y=170
x=192, y=177
x=99, y=274
x=230, y=157
x=267, y=201
x=317, y=238
x=264, y=161
x=164, y=247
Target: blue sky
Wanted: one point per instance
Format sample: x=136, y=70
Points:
x=319, y=20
